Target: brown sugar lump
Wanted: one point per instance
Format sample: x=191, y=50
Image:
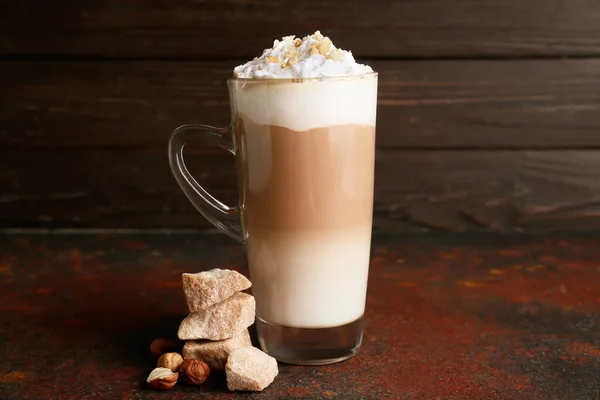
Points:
x=250, y=369
x=215, y=354
x=221, y=321
x=207, y=288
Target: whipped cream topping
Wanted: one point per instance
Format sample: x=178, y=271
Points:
x=313, y=56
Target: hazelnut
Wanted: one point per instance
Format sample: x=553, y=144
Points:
x=195, y=372
x=162, y=379
x=160, y=346
x=170, y=360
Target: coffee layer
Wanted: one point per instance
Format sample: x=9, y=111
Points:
x=312, y=180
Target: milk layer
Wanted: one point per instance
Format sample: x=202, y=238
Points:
x=310, y=280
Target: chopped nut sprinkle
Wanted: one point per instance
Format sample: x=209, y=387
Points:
x=325, y=46
x=336, y=55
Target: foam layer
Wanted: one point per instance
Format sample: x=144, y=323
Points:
x=307, y=104
x=313, y=56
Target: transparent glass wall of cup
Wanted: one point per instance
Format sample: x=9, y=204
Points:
x=305, y=155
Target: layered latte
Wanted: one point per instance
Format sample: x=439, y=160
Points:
x=304, y=125
x=306, y=167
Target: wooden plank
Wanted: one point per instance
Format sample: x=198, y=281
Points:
x=234, y=28
x=422, y=104
x=415, y=190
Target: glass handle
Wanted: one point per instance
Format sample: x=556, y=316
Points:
x=225, y=218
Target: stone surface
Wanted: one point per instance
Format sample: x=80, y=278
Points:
x=250, y=369
x=448, y=317
x=215, y=353
x=207, y=288
x=221, y=321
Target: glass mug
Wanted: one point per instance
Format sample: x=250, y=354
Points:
x=305, y=156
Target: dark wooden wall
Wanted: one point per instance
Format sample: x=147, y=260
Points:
x=489, y=111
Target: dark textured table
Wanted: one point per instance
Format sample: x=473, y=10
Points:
x=448, y=317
